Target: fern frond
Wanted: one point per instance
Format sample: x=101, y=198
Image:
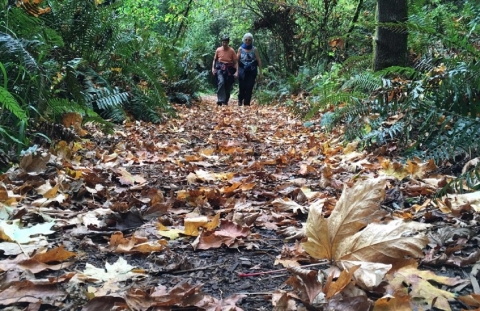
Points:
x=365, y=82
x=104, y=98
x=144, y=106
x=395, y=71
x=13, y=50
x=319, y=102
x=10, y=103
x=356, y=62
x=56, y=107
x=115, y=113
x=381, y=135
x=425, y=64
x=92, y=117
x=397, y=27
x=468, y=181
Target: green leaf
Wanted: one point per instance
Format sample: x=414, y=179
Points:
x=10, y=103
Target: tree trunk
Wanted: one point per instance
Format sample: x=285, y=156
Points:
x=390, y=44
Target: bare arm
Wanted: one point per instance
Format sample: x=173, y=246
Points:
x=259, y=62
x=214, y=70
x=237, y=60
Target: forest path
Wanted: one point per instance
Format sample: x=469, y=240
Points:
x=191, y=205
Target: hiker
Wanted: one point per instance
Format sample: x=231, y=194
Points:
x=225, y=68
x=249, y=65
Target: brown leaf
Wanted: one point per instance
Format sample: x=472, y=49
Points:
x=126, y=178
x=104, y=303
x=227, y=234
x=472, y=300
x=26, y=291
x=343, y=280
x=339, y=238
x=134, y=244
x=385, y=243
x=348, y=303
x=354, y=210
x=56, y=254
x=307, y=283
x=3, y=194
x=283, y=302
x=400, y=302
x=74, y=120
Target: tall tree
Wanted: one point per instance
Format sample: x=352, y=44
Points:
x=391, y=34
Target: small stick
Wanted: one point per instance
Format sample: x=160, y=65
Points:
x=195, y=269
x=279, y=270
x=21, y=248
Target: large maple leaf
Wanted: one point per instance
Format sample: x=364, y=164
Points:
x=351, y=234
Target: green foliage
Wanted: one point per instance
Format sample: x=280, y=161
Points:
x=366, y=82
x=10, y=104
x=457, y=89
x=103, y=98
x=13, y=49
x=467, y=180
x=13, y=118
x=420, y=122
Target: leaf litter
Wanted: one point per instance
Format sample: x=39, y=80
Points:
x=232, y=208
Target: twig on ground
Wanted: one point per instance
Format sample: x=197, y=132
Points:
x=280, y=270
x=195, y=269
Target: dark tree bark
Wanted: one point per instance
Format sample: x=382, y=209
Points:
x=390, y=44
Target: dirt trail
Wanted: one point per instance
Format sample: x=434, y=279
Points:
x=192, y=203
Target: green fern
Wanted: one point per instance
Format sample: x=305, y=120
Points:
x=13, y=51
x=334, y=98
x=395, y=71
x=10, y=104
x=59, y=106
x=103, y=98
x=114, y=113
x=357, y=63
x=459, y=89
x=467, y=181
x=383, y=134
x=365, y=82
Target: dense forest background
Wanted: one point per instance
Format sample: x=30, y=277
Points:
x=400, y=76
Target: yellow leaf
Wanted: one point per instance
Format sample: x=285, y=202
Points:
x=193, y=224
x=170, y=233
x=52, y=193
x=213, y=223
x=417, y=284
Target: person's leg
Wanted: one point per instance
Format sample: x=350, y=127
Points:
x=249, y=82
x=228, y=88
x=220, y=88
x=241, y=91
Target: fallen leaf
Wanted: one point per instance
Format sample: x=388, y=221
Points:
x=418, y=285
x=120, y=244
x=54, y=255
x=286, y=204
x=26, y=291
x=356, y=207
x=370, y=274
x=14, y=233
x=120, y=271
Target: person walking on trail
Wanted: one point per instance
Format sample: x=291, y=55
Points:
x=225, y=68
x=249, y=65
